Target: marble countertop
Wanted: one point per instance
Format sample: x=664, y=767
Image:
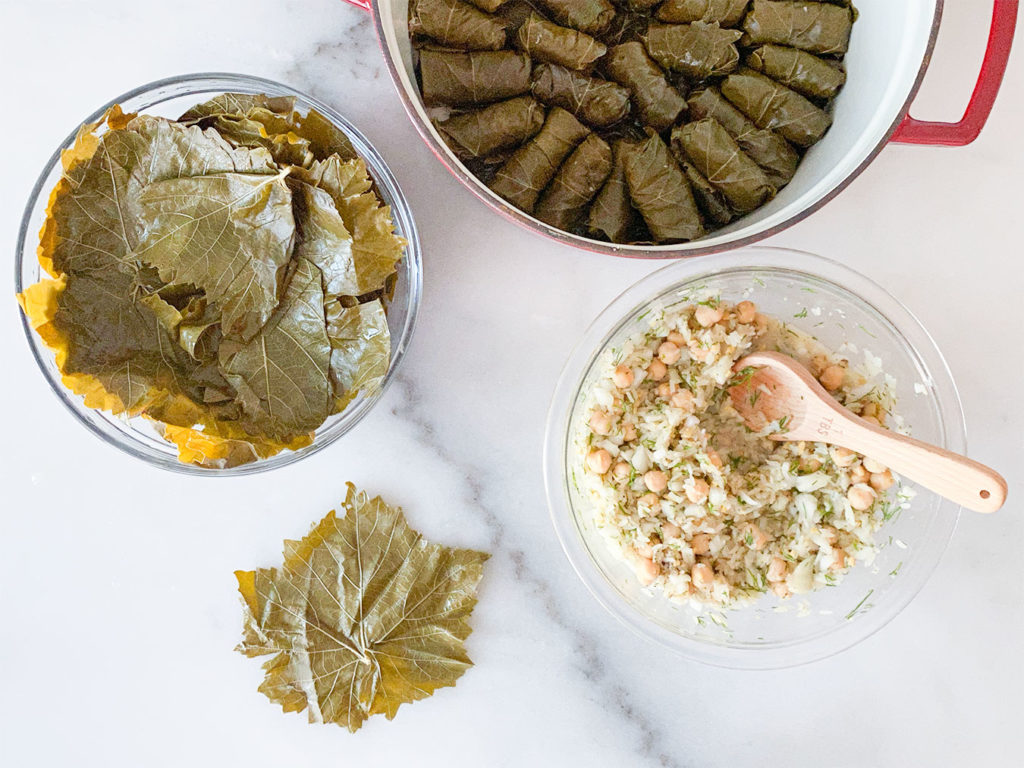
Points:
x=118, y=604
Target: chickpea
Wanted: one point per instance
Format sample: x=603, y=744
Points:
x=832, y=377
x=861, y=497
x=780, y=589
x=664, y=389
x=684, y=400
x=599, y=461
x=840, y=559
x=701, y=543
x=629, y=431
x=657, y=370
x=761, y=323
x=647, y=571
x=873, y=421
x=698, y=492
x=841, y=456
x=707, y=316
x=869, y=409
x=669, y=353
x=859, y=475
x=702, y=575
x=818, y=364
x=881, y=481
x=656, y=480
x=872, y=466
x=670, y=531
x=810, y=464
x=714, y=458
x=652, y=502
x=623, y=377
x=758, y=537
x=621, y=470
x=697, y=352
x=777, y=570
x=601, y=422
x=644, y=549
x=677, y=338
x=746, y=311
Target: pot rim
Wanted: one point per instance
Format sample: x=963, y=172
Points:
x=653, y=252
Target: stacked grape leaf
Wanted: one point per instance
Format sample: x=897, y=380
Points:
x=634, y=122
x=225, y=275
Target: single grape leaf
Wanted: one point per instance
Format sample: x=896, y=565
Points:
x=360, y=346
x=363, y=616
x=324, y=239
x=230, y=234
x=282, y=375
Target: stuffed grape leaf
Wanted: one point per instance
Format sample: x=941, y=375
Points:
x=544, y=41
x=592, y=100
x=658, y=103
x=697, y=50
x=478, y=77
x=774, y=106
x=660, y=191
x=728, y=13
x=364, y=615
x=612, y=214
x=816, y=27
x=719, y=159
x=493, y=128
x=590, y=16
x=804, y=72
x=577, y=181
x=457, y=24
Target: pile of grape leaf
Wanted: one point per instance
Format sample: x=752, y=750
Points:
x=363, y=616
x=225, y=275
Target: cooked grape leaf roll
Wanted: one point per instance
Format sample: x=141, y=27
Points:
x=657, y=102
x=659, y=190
x=803, y=72
x=457, y=24
x=728, y=13
x=594, y=101
x=697, y=50
x=590, y=16
x=496, y=127
x=710, y=201
x=765, y=147
x=544, y=41
x=772, y=105
x=488, y=5
x=532, y=166
x=564, y=202
x=719, y=159
x=815, y=27
x=474, y=78
x=612, y=213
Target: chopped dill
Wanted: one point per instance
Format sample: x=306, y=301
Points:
x=801, y=313
x=857, y=607
x=896, y=570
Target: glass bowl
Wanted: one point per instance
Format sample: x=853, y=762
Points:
x=836, y=304
x=170, y=98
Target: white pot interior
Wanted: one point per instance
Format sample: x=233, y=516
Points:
x=887, y=49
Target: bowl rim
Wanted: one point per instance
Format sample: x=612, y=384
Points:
x=558, y=426
x=390, y=192
x=736, y=240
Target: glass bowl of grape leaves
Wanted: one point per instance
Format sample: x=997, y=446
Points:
x=218, y=274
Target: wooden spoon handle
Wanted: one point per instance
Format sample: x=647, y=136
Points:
x=959, y=479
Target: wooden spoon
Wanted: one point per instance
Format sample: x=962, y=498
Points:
x=781, y=388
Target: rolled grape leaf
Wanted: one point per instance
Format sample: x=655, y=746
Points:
x=710, y=201
x=765, y=147
x=657, y=102
x=471, y=79
x=457, y=24
x=544, y=41
x=590, y=16
x=230, y=234
x=360, y=346
x=612, y=213
x=728, y=13
x=564, y=202
x=282, y=375
x=660, y=191
x=816, y=27
x=772, y=105
x=531, y=168
x=363, y=616
x=697, y=50
x=803, y=72
x=719, y=159
x=493, y=128
x=594, y=101
x=488, y=5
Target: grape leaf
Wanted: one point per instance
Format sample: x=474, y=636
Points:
x=360, y=346
x=282, y=374
x=363, y=616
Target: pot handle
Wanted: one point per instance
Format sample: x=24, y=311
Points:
x=365, y=4
x=1000, y=40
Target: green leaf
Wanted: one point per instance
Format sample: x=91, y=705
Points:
x=282, y=374
x=364, y=615
x=230, y=234
x=324, y=239
x=360, y=346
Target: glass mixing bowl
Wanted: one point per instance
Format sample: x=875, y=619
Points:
x=841, y=305
x=170, y=98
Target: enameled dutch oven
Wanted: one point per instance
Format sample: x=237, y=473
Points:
x=889, y=53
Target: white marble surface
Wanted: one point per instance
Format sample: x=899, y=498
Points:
x=118, y=611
